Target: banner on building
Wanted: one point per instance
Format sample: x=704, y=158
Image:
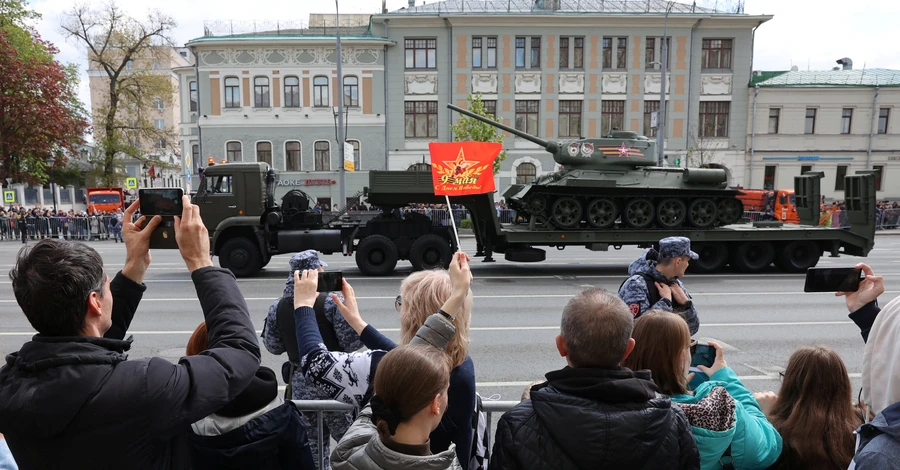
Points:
x=348, y=157
x=463, y=168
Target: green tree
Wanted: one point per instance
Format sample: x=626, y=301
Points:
x=472, y=129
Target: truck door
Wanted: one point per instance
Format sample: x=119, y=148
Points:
x=217, y=199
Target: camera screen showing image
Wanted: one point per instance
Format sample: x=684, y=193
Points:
x=832, y=280
x=162, y=201
x=330, y=281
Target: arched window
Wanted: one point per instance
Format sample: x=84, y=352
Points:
x=233, y=152
x=291, y=92
x=195, y=157
x=525, y=173
x=320, y=91
x=323, y=156
x=232, y=92
x=292, y=156
x=264, y=152
x=351, y=91
x=261, y=92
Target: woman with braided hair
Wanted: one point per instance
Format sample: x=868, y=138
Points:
x=410, y=399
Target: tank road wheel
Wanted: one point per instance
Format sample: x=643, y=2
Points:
x=430, y=252
x=376, y=255
x=639, y=213
x=602, y=213
x=730, y=211
x=702, y=213
x=566, y=212
x=713, y=257
x=796, y=257
x=753, y=257
x=241, y=257
x=537, y=204
x=670, y=213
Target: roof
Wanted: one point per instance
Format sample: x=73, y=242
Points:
x=833, y=78
x=557, y=6
x=761, y=76
x=269, y=30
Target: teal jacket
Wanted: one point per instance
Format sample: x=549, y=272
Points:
x=755, y=444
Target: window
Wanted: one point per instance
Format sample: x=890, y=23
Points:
x=155, y=65
x=612, y=116
x=421, y=53
x=535, y=52
x=490, y=106
x=264, y=152
x=323, y=156
x=774, y=118
x=879, y=176
x=217, y=185
x=805, y=168
x=195, y=155
x=476, y=53
x=716, y=54
x=614, y=50
x=577, y=58
x=351, y=91
x=421, y=118
x=520, y=52
x=846, y=120
x=233, y=152
x=607, y=53
x=232, y=92
x=714, y=118
x=769, y=178
x=320, y=91
x=564, y=53
x=129, y=65
x=492, y=53
x=291, y=92
x=525, y=173
x=620, y=52
x=158, y=104
x=650, y=107
x=653, y=54
x=810, y=127
x=650, y=53
x=356, y=154
x=569, y=119
x=527, y=116
x=261, y=92
x=839, y=177
x=161, y=143
x=159, y=124
x=884, y=115
x=192, y=86
x=292, y=155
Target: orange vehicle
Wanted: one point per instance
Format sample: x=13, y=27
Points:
x=781, y=201
x=105, y=199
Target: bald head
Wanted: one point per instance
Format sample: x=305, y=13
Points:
x=596, y=327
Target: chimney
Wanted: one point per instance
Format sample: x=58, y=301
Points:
x=846, y=62
x=412, y=3
x=384, y=7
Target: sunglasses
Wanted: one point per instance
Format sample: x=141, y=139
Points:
x=398, y=302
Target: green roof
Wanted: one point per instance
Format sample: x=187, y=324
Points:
x=829, y=78
x=759, y=77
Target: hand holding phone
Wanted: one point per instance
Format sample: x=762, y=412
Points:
x=702, y=355
x=869, y=289
x=330, y=281
x=832, y=279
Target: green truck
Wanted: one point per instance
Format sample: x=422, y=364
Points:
x=247, y=226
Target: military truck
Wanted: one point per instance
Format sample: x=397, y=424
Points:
x=247, y=226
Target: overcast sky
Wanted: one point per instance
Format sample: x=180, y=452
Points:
x=805, y=33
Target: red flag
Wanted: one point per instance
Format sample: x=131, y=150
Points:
x=462, y=168
x=152, y=171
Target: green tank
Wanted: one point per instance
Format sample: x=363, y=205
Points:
x=613, y=182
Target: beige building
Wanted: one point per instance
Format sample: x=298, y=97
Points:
x=835, y=121
x=165, y=115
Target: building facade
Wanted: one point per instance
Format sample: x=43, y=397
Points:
x=836, y=122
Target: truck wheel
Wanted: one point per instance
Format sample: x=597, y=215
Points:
x=241, y=257
x=376, y=255
x=796, y=257
x=713, y=257
x=753, y=257
x=430, y=252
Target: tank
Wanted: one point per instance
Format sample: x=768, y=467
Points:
x=613, y=182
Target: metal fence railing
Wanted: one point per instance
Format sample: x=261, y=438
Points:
x=70, y=228
x=322, y=406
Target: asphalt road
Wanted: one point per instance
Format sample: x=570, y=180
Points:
x=760, y=318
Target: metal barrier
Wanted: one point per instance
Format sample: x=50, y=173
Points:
x=69, y=228
x=887, y=219
x=320, y=406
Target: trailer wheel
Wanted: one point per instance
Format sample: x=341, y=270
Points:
x=753, y=257
x=798, y=256
x=713, y=258
x=376, y=255
x=241, y=257
x=430, y=252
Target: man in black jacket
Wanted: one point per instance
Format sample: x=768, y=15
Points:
x=594, y=414
x=71, y=399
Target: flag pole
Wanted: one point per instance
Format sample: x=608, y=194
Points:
x=452, y=222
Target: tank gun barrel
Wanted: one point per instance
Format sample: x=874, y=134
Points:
x=551, y=147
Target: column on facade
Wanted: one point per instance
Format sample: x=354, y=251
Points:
x=40, y=194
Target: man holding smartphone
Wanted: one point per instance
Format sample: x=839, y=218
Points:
x=72, y=398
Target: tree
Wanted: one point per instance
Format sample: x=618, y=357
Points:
x=130, y=54
x=472, y=129
x=702, y=150
x=41, y=119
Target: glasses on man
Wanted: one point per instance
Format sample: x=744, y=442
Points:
x=398, y=302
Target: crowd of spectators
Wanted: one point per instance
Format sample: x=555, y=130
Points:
x=19, y=223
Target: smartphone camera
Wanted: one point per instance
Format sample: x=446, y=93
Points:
x=161, y=201
x=833, y=280
x=702, y=355
x=330, y=281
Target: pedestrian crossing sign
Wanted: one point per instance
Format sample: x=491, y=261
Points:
x=9, y=196
x=131, y=183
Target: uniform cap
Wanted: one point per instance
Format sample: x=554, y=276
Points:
x=673, y=247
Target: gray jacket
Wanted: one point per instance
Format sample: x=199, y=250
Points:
x=362, y=449
x=878, y=442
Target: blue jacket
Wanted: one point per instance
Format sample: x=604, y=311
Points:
x=755, y=444
x=879, y=442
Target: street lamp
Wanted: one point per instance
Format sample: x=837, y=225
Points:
x=661, y=122
x=340, y=117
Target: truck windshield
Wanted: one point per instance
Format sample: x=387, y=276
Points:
x=105, y=199
x=219, y=184
x=792, y=200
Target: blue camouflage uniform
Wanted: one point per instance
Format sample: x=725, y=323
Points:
x=634, y=291
x=336, y=424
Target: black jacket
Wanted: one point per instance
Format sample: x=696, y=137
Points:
x=595, y=418
x=77, y=402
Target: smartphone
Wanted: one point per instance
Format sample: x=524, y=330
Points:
x=161, y=201
x=832, y=279
x=703, y=355
x=163, y=237
x=331, y=281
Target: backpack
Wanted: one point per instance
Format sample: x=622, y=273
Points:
x=287, y=328
x=652, y=292
x=481, y=451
